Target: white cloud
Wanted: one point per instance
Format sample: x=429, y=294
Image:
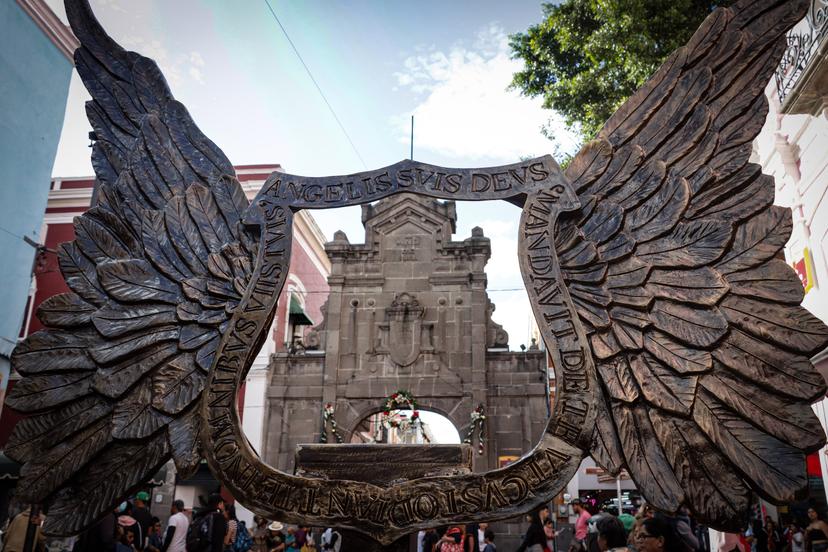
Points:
x=466, y=108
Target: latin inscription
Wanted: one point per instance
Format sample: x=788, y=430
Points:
x=389, y=510
x=415, y=177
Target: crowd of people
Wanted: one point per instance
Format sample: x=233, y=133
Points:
x=215, y=528
x=212, y=528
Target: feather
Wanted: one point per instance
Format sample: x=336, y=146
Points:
x=762, y=363
x=645, y=458
x=116, y=349
x=65, y=310
x=689, y=245
x=115, y=321
x=790, y=327
x=659, y=214
x=589, y=164
x=35, y=434
x=53, y=351
x=136, y=280
x=709, y=480
x=134, y=417
x=793, y=422
x=772, y=281
x=696, y=326
x=114, y=381
x=80, y=274
x=53, y=467
x=35, y=393
x=679, y=357
x=183, y=436
x=776, y=470
x=702, y=286
x=757, y=240
x=177, y=384
x=662, y=386
x=123, y=466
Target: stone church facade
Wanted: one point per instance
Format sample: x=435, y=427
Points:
x=407, y=310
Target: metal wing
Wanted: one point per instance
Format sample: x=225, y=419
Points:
x=675, y=265
x=113, y=384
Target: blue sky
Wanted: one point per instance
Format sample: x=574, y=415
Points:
x=447, y=63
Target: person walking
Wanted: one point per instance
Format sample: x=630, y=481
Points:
x=175, y=539
x=232, y=526
x=15, y=538
x=143, y=516
x=581, y=527
x=535, y=539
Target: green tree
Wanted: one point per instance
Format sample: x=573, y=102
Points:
x=588, y=56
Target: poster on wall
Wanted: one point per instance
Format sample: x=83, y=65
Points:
x=804, y=268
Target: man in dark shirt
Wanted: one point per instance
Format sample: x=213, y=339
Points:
x=142, y=515
x=215, y=507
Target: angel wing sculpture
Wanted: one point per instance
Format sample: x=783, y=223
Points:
x=653, y=265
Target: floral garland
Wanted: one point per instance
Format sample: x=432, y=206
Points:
x=401, y=400
x=328, y=419
x=478, y=421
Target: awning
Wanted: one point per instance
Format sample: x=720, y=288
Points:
x=297, y=314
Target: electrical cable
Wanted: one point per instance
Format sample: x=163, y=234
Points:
x=316, y=84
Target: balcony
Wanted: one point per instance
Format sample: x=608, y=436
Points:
x=802, y=76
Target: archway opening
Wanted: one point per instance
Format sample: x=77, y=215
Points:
x=400, y=426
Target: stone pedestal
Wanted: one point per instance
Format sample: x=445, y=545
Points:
x=380, y=464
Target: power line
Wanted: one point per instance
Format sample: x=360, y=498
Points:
x=316, y=84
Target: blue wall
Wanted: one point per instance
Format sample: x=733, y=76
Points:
x=34, y=82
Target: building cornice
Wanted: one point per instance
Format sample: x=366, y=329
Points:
x=60, y=35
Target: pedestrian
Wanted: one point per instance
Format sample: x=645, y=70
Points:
x=795, y=537
x=774, y=535
x=125, y=541
x=331, y=540
x=611, y=534
x=154, y=539
x=175, y=539
x=276, y=539
x=657, y=535
x=208, y=528
x=130, y=525
x=453, y=541
x=581, y=527
x=816, y=534
x=535, y=539
x=475, y=535
x=550, y=533
x=232, y=526
x=488, y=541
x=15, y=537
x=430, y=540
x=142, y=515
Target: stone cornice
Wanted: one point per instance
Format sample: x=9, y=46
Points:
x=60, y=35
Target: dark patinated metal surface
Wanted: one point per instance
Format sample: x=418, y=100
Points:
x=679, y=345
x=383, y=464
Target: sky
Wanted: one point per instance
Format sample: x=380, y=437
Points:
x=377, y=63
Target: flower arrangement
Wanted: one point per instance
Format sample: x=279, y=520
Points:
x=391, y=417
x=329, y=420
x=478, y=420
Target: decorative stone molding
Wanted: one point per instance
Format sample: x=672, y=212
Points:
x=60, y=35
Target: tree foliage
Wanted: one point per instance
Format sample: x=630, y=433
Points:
x=588, y=56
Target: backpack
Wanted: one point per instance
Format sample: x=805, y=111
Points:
x=200, y=533
x=244, y=541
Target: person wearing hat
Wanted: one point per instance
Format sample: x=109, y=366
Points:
x=276, y=539
x=142, y=515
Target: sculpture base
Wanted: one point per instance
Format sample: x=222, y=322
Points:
x=380, y=464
